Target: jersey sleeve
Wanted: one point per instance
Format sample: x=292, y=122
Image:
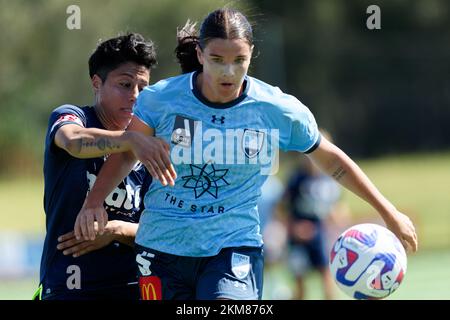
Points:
x=298, y=128
x=65, y=114
x=147, y=107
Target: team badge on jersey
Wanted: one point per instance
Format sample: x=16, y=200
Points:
x=252, y=142
x=183, y=131
x=240, y=265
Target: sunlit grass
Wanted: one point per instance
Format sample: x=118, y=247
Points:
x=426, y=279
x=22, y=205
x=419, y=186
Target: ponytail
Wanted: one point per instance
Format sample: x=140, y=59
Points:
x=186, y=52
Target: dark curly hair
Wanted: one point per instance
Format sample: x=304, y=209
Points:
x=111, y=53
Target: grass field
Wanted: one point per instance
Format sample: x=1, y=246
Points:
x=427, y=278
x=419, y=185
x=23, y=209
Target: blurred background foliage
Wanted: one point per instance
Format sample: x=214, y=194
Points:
x=44, y=64
x=377, y=91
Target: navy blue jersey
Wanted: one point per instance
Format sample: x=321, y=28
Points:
x=312, y=197
x=67, y=181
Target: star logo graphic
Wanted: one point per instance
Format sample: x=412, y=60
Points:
x=205, y=179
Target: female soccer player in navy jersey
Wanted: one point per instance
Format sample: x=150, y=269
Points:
x=199, y=236
x=78, y=141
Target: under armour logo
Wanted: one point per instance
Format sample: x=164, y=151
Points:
x=221, y=119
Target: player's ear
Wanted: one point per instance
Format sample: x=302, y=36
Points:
x=96, y=83
x=199, y=54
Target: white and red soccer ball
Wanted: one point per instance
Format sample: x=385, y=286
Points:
x=368, y=261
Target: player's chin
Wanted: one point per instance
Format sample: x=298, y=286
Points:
x=228, y=92
x=124, y=119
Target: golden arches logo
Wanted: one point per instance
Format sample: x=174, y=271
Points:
x=150, y=288
x=145, y=292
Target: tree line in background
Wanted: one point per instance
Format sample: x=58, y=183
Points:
x=377, y=91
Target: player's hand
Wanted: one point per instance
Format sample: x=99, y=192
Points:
x=154, y=153
x=402, y=226
x=71, y=246
x=85, y=228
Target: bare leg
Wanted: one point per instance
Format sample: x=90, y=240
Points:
x=300, y=290
x=327, y=283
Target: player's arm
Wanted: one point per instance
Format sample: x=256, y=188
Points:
x=151, y=151
x=84, y=143
x=115, y=230
x=125, y=232
x=337, y=164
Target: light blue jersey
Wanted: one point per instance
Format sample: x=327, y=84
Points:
x=222, y=154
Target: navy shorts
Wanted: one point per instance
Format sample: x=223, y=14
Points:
x=235, y=273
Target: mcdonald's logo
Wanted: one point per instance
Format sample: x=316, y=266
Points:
x=150, y=288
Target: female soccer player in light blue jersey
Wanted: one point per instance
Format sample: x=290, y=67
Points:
x=199, y=236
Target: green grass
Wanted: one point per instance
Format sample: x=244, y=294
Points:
x=417, y=185
x=22, y=205
x=426, y=279
x=18, y=289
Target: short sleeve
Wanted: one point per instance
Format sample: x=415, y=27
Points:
x=65, y=114
x=305, y=136
x=298, y=128
x=146, y=107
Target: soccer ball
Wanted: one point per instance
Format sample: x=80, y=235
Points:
x=368, y=261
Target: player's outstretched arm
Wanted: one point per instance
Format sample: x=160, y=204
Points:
x=337, y=164
x=113, y=171
x=86, y=143
x=151, y=151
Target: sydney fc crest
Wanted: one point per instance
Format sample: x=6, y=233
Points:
x=240, y=265
x=183, y=131
x=252, y=142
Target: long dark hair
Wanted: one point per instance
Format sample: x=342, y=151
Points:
x=225, y=23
